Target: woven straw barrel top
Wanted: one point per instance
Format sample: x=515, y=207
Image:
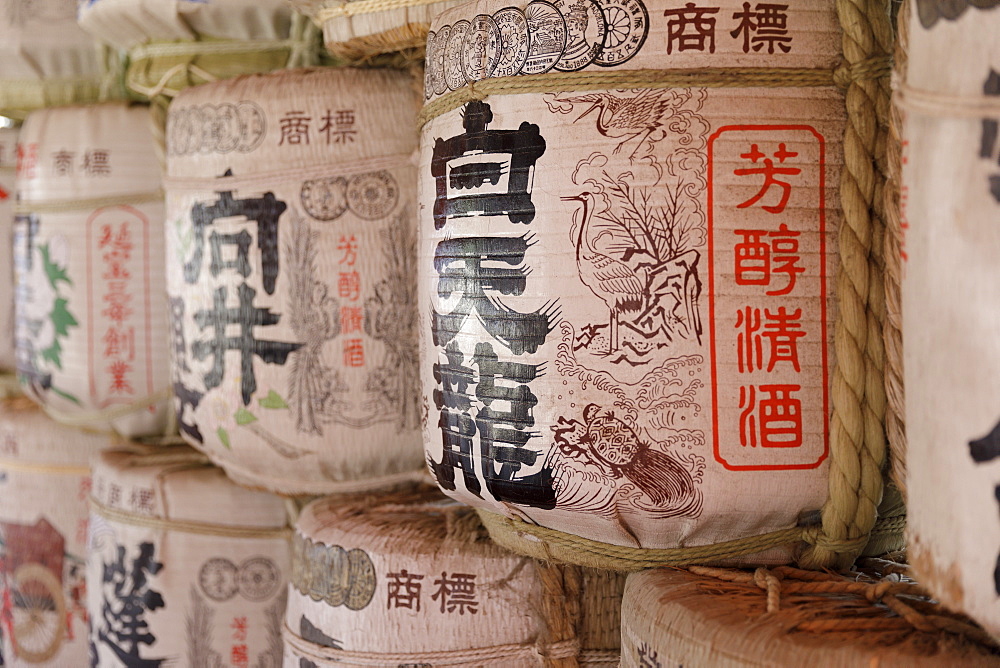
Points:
x=8, y=159
x=626, y=267
x=182, y=554
x=361, y=29
x=91, y=311
x=44, y=485
x=412, y=578
x=951, y=305
x=786, y=617
x=174, y=44
x=45, y=58
x=291, y=277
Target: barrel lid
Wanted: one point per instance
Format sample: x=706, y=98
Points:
x=785, y=616
x=178, y=484
x=87, y=152
x=28, y=435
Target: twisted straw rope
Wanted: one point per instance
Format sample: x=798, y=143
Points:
x=893, y=332
x=186, y=526
x=857, y=444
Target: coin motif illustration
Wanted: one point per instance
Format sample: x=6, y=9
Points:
x=627, y=27
x=218, y=579
x=454, y=70
x=325, y=199
x=373, y=195
x=586, y=31
x=513, y=28
x=258, y=578
x=546, y=37
x=482, y=48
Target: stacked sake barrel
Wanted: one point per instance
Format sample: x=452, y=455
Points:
x=291, y=279
x=91, y=331
x=411, y=578
x=628, y=279
x=46, y=60
x=951, y=197
x=173, y=45
x=360, y=31
x=185, y=567
x=44, y=488
x=8, y=160
x=876, y=616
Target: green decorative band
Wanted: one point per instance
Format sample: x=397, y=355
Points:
x=18, y=97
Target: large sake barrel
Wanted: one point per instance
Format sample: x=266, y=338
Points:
x=292, y=278
x=951, y=203
x=8, y=153
x=359, y=31
x=91, y=313
x=629, y=226
x=186, y=568
x=724, y=618
x=45, y=59
x=172, y=45
x=44, y=486
x=411, y=578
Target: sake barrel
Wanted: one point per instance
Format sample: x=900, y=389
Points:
x=8, y=152
x=786, y=617
x=951, y=200
x=186, y=568
x=361, y=30
x=45, y=59
x=627, y=276
x=411, y=578
x=91, y=320
x=44, y=485
x=172, y=45
x=292, y=278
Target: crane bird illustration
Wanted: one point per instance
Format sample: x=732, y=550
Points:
x=628, y=118
x=611, y=280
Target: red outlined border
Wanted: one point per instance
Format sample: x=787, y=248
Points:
x=92, y=359
x=823, y=295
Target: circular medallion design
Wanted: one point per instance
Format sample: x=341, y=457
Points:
x=325, y=199
x=513, y=29
x=627, y=27
x=586, y=30
x=258, y=578
x=373, y=195
x=482, y=48
x=546, y=37
x=218, y=579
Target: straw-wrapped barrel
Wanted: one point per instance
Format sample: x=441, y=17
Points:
x=359, y=31
x=629, y=217
x=91, y=321
x=185, y=568
x=44, y=485
x=45, y=59
x=292, y=277
x=412, y=578
x=723, y=618
x=951, y=304
x=8, y=160
x=172, y=45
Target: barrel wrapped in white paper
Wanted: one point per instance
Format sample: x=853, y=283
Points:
x=360, y=30
x=726, y=618
x=8, y=153
x=184, y=566
x=411, y=578
x=44, y=485
x=951, y=302
x=45, y=59
x=91, y=320
x=175, y=44
x=627, y=316
x=291, y=277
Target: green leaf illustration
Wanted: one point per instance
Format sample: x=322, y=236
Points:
x=66, y=395
x=272, y=400
x=54, y=272
x=223, y=436
x=243, y=416
x=62, y=319
x=54, y=354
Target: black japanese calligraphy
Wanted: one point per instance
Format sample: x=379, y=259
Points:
x=123, y=627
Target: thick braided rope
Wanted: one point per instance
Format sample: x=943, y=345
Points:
x=893, y=332
x=397, y=47
x=857, y=434
x=552, y=545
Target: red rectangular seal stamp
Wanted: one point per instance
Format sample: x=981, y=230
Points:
x=767, y=297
